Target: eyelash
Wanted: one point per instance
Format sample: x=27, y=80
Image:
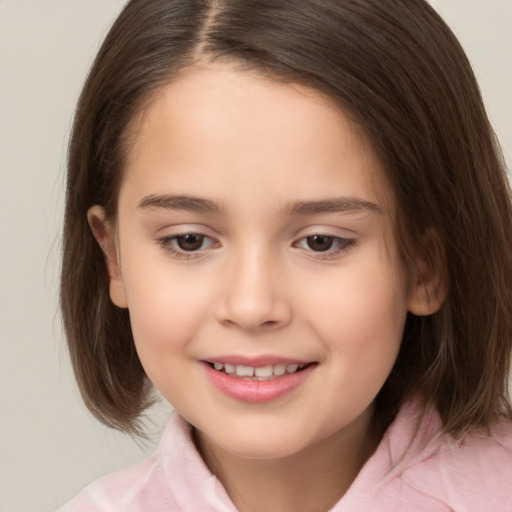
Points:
x=169, y=244
x=342, y=245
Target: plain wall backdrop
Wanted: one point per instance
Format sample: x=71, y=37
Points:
x=50, y=446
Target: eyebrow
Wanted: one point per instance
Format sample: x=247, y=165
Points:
x=203, y=205
x=180, y=202
x=334, y=205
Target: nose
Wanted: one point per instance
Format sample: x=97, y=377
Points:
x=253, y=296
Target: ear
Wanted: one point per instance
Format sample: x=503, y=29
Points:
x=105, y=234
x=429, y=284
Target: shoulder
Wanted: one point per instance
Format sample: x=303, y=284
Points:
x=472, y=473
x=174, y=478
x=119, y=491
x=419, y=467
x=138, y=488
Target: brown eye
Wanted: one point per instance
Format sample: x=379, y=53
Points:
x=190, y=242
x=188, y=246
x=325, y=246
x=320, y=243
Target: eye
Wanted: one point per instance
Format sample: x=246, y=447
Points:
x=326, y=245
x=319, y=243
x=190, y=242
x=187, y=245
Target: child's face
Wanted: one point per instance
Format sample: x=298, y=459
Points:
x=254, y=230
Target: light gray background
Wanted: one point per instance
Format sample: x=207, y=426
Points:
x=49, y=445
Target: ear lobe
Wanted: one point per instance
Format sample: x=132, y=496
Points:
x=105, y=235
x=429, y=286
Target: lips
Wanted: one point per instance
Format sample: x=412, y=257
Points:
x=257, y=380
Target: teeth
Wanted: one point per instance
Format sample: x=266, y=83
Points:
x=262, y=372
x=266, y=371
x=279, y=369
x=244, y=371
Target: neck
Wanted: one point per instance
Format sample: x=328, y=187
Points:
x=312, y=480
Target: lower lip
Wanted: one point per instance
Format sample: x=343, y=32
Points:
x=257, y=391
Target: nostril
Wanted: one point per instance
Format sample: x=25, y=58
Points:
x=252, y=312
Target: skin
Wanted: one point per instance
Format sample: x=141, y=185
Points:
x=259, y=152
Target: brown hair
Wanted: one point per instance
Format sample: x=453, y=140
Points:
x=399, y=72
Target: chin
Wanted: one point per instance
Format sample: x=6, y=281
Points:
x=262, y=443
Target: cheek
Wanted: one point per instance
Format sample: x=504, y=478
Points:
x=165, y=308
x=362, y=332
x=361, y=318
x=166, y=315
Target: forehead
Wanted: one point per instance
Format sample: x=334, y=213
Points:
x=217, y=120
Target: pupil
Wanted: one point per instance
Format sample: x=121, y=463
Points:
x=320, y=243
x=190, y=242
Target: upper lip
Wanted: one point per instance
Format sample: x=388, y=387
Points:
x=256, y=362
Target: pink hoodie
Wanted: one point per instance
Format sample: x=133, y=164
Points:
x=416, y=468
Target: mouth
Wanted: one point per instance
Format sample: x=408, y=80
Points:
x=258, y=373
x=257, y=380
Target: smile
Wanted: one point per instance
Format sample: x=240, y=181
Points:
x=261, y=381
x=259, y=373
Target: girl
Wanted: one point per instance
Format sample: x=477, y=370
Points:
x=291, y=219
